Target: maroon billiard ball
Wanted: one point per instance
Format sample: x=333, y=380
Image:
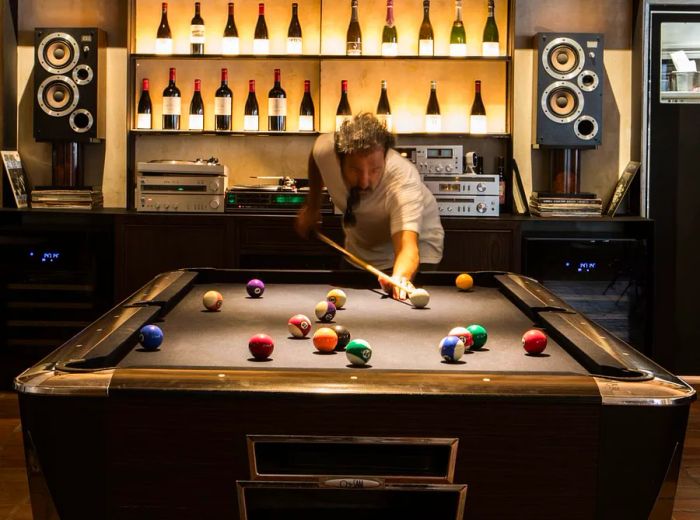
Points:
x=261, y=346
x=534, y=341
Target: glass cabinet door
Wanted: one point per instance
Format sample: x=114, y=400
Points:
x=679, y=61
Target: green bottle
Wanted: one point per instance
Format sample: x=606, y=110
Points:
x=458, y=37
x=489, y=44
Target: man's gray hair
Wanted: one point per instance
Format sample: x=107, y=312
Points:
x=361, y=134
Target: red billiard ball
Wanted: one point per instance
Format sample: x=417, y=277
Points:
x=261, y=346
x=534, y=341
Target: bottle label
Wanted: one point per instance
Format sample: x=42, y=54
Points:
x=294, y=46
x=164, y=45
x=144, y=121
x=172, y=106
x=458, y=49
x=251, y=123
x=339, y=120
x=477, y=124
x=490, y=49
x=425, y=47
x=390, y=49
x=276, y=107
x=222, y=106
x=386, y=120
x=230, y=45
x=196, y=34
x=353, y=49
x=261, y=46
x=433, y=123
x=306, y=123
x=196, y=122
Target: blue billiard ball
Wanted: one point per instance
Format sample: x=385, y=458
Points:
x=255, y=288
x=451, y=348
x=150, y=337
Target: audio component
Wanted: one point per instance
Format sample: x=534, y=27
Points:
x=568, y=93
x=271, y=199
x=69, y=84
x=465, y=195
x=435, y=159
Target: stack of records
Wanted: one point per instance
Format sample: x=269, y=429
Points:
x=66, y=198
x=543, y=204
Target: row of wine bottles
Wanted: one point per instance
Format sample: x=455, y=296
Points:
x=277, y=108
x=389, y=46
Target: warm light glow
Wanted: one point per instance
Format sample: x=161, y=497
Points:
x=306, y=123
x=143, y=121
x=251, y=123
x=458, y=50
x=230, y=46
x=294, y=46
x=425, y=47
x=433, y=123
x=261, y=46
x=164, y=46
x=387, y=121
x=490, y=49
x=196, y=122
x=477, y=124
x=390, y=49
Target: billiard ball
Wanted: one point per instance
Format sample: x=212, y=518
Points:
x=325, y=339
x=358, y=352
x=150, y=337
x=261, y=346
x=299, y=325
x=451, y=348
x=255, y=288
x=337, y=297
x=325, y=311
x=463, y=334
x=419, y=298
x=343, y=337
x=212, y=300
x=534, y=341
x=479, y=334
x=464, y=282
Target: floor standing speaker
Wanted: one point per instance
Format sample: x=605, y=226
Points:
x=69, y=84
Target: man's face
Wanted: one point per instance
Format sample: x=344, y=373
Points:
x=363, y=171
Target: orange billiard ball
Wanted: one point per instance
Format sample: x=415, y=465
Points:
x=464, y=282
x=325, y=339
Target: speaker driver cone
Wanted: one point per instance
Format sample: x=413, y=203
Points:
x=58, y=96
x=563, y=58
x=562, y=102
x=58, y=52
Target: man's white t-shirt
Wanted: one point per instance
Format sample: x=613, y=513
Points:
x=400, y=202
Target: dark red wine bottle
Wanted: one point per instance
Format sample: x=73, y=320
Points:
x=172, y=104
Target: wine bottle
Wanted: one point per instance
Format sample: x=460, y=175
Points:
x=230, y=45
x=489, y=44
x=425, y=35
x=277, y=106
x=144, y=118
x=197, y=31
x=261, y=41
x=222, y=104
x=383, y=108
x=306, y=111
x=251, y=119
x=353, y=39
x=433, y=120
x=294, y=45
x=196, y=121
x=164, y=38
x=390, y=44
x=477, y=117
x=344, y=112
x=458, y=38
x=501, y=184
x=172, y=104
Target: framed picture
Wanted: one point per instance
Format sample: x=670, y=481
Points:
x=621, y=187
x=18, y=181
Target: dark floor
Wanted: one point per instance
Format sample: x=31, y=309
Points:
x=14, y=494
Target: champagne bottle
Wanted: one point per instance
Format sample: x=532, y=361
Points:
x=489, y=44
x=344, y=112
x=196, y=121
x=261, y=41
x=477, y=117
x=425, y=35
x=230, y=45
x=172, y=104
x=277, y=106
x=353, y=45
x=306, y=111
x=197, y=31
x=251, y=119
x=222, y=104
x=294, y=42
x=383, y=108
x=390, y=45
x=164, y=38
x=501, y=184
x=458, y=38
x=433, y=120
x=144, y=118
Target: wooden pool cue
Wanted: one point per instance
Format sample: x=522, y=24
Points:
x=359, y=262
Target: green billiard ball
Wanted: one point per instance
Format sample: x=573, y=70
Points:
x=479, y=334
x=358, y=352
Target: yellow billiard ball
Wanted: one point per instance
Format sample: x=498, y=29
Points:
x=464, y=282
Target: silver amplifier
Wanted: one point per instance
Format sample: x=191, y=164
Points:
x=434, y=159
x=465, y=195
x=478, y=206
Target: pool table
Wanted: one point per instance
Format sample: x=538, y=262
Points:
x=199, y=428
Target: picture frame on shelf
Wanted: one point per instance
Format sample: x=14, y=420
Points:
x=622, y=187
x=17, y=179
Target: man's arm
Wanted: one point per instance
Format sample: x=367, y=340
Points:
x=310, y=214
x=406, y=261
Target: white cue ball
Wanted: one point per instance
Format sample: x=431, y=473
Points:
x=419, y=298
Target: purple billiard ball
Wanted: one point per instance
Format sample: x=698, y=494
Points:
x=255, y=288
x=150, y=337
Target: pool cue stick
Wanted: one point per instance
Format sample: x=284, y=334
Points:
x=364, y=265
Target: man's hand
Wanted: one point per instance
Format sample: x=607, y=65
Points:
x=307, y=221
x=396, y=292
